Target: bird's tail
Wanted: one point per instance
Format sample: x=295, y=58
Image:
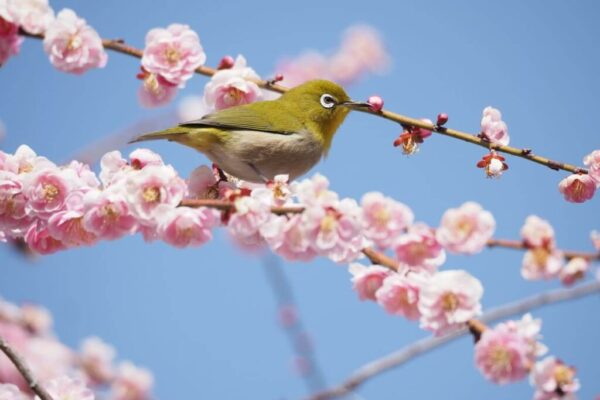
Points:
x=169, y=134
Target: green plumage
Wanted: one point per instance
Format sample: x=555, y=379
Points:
x=260, y=140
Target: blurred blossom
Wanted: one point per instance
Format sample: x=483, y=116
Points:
x=466, y=229
x=595, y=236
x=506, y=353
x=191, y=108
x=65, y=388
x=537, y=232
x=541, y=263
x=96, y=359
x=10, y=41
x=72, y=45
x=448, y=300
x=419, y=248
x=131, y=383
x=34, y=16
x=361, y=51
x=36, y=318
x=552, y=378
x=574, y=270
x=9, y=391
x=155, y=90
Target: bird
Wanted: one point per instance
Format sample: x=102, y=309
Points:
x=256, y=142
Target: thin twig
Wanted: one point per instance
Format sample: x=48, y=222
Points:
x=520, y=245
x=24, y=370
x=119, y=46
x=426, y=345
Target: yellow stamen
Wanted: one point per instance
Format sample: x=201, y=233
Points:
x=563, y=375
x=382, y=217
x=151, y=195
x=74, y=43
x=50, y=191
x=540, y=257
x=172, y=55
x=450, y=302
x=500, y=359
x=328, y=223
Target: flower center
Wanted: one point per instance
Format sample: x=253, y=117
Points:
x=25, y=168
x=328, y=223
x=500, y=359
x=464, y=226
x=50, y=192
x=563, y=375
x=382, y=217
x=540, y=256
x=151, y=84
x=151, y=194
x=233, y=96
x=74, y=43
x=578, y=188
x=110, y=213
x=449, y=302
x=172, y=55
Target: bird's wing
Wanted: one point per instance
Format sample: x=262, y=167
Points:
x=253, y=117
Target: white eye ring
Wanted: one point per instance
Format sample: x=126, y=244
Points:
x=328, y=101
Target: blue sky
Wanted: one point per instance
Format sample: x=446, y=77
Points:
x=203, y=320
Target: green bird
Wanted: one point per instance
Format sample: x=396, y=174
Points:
x=257, y=141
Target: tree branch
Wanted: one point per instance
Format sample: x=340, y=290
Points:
x=119, y=46
x=426, y=345
x=24, y=370
x=520, y=245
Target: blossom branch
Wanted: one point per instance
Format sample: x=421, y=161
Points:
x=24, y=370
x=119, y=46
x=520, y=245
x=426, y=345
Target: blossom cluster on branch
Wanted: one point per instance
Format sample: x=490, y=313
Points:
x=65, y=373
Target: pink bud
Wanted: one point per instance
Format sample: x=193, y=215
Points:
x=226, y=62
x=442, y=118
x=278, y=78
x=376, y=103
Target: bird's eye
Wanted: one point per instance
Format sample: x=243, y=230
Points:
x=328, y=101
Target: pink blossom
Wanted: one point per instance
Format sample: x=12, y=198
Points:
x=577, y=188
x=18, y=338
x=48, y=358
x=155, y=91
x=65, y=388
x=595, y=237
x=25, y=160
x=288, y=237
x=131, y=383
x=315, y=191
x=183, y=226
x=13, y=216
x=73, y=46
x=67, y=225
x=537, y=232
x=592, y=161
x=448, y=300
x=336, y=230
x=87, y=178
x=203, y=184
x=552, y=376
x=32, y=15
x=38, y=239
x=108, y=215
x=367, y=280
x=280, y=189
x=493, y=128
x=307, y=66
x=173, y=53
x=541, y=263
x=9, y=391
x=231, y=87
x=574, y=270
x=96, y=358
x=503, y=355
x=140, y=158
x=10, y=41
x=419, y=248
x=384, y=218
x=191, y=107
x=150, y=187
x=399, y=294
x=36, y=318
x=112, y=167
x=251, y=212
x=466, y=229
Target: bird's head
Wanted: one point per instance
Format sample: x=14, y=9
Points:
x=321, y=106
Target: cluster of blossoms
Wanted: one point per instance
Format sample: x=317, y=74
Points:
x=360, y=52
x=543, y=260
x=64, y=372
x=508, y=353
x=579, y=188
x=71, y=44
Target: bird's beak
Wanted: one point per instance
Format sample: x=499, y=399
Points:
x=356, y=105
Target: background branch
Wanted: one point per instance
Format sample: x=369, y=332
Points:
x=425, y=345
x=24, y=370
